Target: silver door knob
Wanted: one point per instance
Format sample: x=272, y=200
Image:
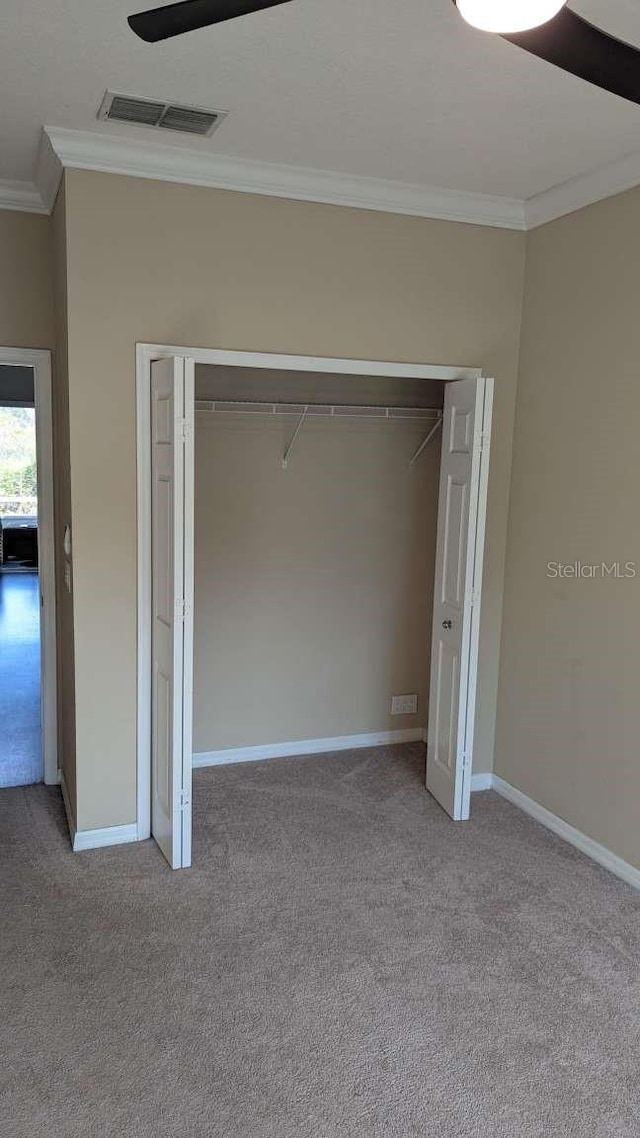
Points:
x=447, y=624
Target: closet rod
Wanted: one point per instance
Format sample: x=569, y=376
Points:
x=326, y=410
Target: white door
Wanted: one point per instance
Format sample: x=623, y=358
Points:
x=172, y=412
x=462, y=503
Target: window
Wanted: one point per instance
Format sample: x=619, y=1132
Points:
x=18, y=482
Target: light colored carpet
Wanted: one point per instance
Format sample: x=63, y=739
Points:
x=342, y=962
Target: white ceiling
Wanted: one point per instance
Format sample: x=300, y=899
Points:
x=397, y=89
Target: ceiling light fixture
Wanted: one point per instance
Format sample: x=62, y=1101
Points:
x=507, y=16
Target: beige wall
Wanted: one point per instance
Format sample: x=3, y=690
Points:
x=569, y=712
x=154, y=261
x=64, y=613
x=32, y=315
x=260, y=274
x=313, y=584
x=26, y=295
x=216, y=381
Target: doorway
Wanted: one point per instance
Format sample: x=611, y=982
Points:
x=165, y=473
x=28, y=752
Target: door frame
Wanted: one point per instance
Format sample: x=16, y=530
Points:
x=40, y=361
x=145, y=353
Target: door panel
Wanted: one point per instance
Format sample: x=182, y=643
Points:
x=171, y=412
x=456, y=609
x=453, y=570
x=448, y=677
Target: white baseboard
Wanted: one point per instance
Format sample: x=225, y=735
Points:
x=71, y=822
x=109, y=836
x=306, y=747
x=586, y=845
x=482, y=781
x=94, y=839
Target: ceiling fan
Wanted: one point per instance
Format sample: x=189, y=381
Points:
x=546, y=28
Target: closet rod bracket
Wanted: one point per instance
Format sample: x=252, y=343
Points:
x=425, y=442
x=285, y=457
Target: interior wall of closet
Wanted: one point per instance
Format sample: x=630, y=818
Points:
x=314, y=582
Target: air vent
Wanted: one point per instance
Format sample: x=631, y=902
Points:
x=188, y=120
x=165, y=116
x=134, y=110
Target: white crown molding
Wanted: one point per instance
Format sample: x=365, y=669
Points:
x=48, y=172
x=110, y=153
x=93, y=150
x=21, y=196
x=583, y=190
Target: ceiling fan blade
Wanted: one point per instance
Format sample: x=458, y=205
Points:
x=580, y=48
x=186, y=16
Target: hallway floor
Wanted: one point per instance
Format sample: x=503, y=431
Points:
x=342, y=961
x=20, y=733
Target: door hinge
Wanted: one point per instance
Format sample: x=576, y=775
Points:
x=474, y=597
x=182, y=609
x=466, y=760
x=483, y=441
x=184, y=800
x=184, y=430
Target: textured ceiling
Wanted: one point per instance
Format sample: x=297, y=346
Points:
x=399, y=89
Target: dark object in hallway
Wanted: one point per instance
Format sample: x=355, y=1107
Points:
x=19, y=542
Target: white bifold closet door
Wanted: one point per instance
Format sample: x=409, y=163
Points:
x=172, y=415
x=458, y=580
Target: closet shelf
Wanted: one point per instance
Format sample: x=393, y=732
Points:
x=326, y=411
x=336, y=410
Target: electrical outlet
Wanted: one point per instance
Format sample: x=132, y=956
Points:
x=404, y=704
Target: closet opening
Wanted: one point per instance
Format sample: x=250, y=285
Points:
x=310, y=567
